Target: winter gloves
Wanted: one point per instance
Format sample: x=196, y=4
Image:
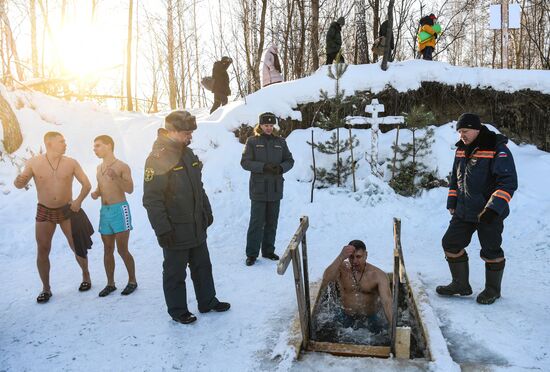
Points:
x=167, y=240
x=487, y=216
x=273, y=168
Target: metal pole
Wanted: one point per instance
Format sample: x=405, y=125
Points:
x=504, y=23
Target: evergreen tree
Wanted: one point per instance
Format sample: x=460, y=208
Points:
x=342, y=167
x=411, y=173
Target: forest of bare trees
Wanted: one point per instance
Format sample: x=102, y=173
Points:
x=167, y=47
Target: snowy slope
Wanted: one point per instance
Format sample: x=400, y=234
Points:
x=79, y=331
x=283, y=98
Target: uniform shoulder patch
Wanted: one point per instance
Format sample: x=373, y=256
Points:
x=149, y=174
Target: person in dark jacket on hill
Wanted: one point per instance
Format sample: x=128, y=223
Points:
x=266, y=156
x=334, y=41
x=221, y=82
x=179, y=212
x=379, y=45
x=483, y=181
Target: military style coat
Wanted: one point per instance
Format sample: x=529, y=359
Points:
x=173, y=193
x=258, y=151
x=334, y=38
x=484, y=178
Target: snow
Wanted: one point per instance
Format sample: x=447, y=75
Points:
x=283, y=98
x=80, y=331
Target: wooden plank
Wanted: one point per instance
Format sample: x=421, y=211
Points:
x=416, y=314
x=350, y=349
x=284, y=261
x=403, y=343
x=305, y=223
x=299, y=286
x=396, y=265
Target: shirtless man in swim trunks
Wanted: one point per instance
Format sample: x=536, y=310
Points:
x=361, y=285
x=114, y=179
x=53, y=174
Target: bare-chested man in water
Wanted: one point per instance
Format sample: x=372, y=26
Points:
x=53, y=175
x=361, y=285
x=114, y=180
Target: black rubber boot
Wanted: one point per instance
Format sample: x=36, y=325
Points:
x=460, y=272
x=493, y=279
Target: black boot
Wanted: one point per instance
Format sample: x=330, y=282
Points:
x=493, y=278
x=460, y=272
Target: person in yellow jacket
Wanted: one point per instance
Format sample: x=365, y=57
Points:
x=427, y=35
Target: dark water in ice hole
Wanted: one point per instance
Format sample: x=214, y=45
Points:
x=326, y=325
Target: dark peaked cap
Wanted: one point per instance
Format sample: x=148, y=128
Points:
x=180, y=120
x=267, y=118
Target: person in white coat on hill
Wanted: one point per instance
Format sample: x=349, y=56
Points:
x=271, y=72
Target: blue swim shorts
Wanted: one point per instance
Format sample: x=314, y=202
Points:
x=115, y=218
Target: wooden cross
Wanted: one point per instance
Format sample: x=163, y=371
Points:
x=374, y=109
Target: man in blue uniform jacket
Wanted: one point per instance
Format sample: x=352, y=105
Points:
x=483, y=181
x=179, y=212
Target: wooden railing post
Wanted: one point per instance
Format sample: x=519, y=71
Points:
x=396, y=278
x=305, y=221
x=301, y=281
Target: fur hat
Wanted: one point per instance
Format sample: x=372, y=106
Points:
x=267, y=118
x=469, y=121
x=180, y=120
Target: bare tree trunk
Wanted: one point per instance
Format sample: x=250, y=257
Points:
x=315, y=35
x=302, y=47
x=361, y=32
x=375, y=4
x=94, y=8
x=189, y=73
x=34, y=48
x=197, y=53
x=170, y=57
x=181, y=45
x=286, y=37
x=129, y=59
x=63, y=11
x=137, y=55
x=389, y=33
x=10, y=125
x=10, y=40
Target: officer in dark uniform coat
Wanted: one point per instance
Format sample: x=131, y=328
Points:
x=483, y=181
x=179, y=212
x=267, y=157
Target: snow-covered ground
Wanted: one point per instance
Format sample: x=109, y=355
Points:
x=80, y=331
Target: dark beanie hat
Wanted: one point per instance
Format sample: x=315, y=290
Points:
x=469, y=121
x=358, y=244
x=180, y=120
x=267, y=118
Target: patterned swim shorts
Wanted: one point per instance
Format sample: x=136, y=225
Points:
x=55, y=215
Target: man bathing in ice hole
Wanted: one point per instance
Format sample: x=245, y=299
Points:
x=361, y=285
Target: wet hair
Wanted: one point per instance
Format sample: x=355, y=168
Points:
x=51, y=135
x=358, y=244
x=107, y=140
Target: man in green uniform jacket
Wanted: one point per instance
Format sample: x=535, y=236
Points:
x=179, y=212
x=266, y=156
